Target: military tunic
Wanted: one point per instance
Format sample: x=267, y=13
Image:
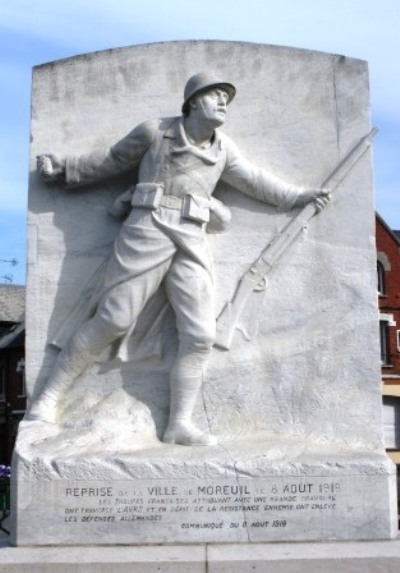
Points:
x=159, y=244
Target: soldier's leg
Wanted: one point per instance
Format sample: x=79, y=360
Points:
x=190, y=291
x=115, y=314
x=79, y=353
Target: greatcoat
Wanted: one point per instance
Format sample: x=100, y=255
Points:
x=159, y=245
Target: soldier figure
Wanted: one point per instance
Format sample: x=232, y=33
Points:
x=164, y=239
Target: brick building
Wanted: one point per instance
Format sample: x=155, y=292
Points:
x=388, y=268
x=12, y=366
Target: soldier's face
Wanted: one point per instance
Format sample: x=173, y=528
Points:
x=211, y=105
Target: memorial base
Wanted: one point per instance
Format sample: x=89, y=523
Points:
x=245, y=492
x=370, y=557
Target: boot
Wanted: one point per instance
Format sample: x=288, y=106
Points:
x=71, y=362
x=180, y=429
x=45, y=407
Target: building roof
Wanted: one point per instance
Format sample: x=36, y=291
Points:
x=394, y=234
x=12, y=303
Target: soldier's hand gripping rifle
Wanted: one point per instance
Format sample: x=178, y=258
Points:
x=254, y=279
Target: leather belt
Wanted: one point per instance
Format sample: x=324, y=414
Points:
x=171, y=202
x=151, y=196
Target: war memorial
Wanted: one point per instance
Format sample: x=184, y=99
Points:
x=202, y=325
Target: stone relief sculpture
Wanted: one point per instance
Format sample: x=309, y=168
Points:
x=167, y=216
x=264, y=335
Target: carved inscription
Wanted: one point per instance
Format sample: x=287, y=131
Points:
x=234, y=510
x=193, y=510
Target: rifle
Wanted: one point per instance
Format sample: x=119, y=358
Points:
x=254, y=279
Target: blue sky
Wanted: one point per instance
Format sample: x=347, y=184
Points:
x=33, y=33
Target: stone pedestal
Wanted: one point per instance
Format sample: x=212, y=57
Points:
x=224, y=494
x=347, y=557
x=295, y=403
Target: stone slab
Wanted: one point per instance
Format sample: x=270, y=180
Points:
x=224, y=494
x=189, y=559
x=370, y=557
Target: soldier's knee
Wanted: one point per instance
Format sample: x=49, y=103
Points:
x=197, y=344
x=117, y=323
x=204, y=344
x=101, y=332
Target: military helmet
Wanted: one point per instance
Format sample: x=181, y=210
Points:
x=205, y=81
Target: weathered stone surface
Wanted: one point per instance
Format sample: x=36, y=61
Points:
x=262, y=491
x=178, y=559
x=277, y=557
x=296, y=399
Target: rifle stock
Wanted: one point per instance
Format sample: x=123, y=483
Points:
x=252, y=279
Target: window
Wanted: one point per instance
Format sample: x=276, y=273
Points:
x=21, y=371
x=2, y=384
x=384, y=340
x=381, y=277
x=398, y=340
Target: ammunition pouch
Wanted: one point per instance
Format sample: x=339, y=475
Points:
x=193, y=207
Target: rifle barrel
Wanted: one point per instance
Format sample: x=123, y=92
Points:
x=229, y=317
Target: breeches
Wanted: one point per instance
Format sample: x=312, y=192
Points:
x=145, y=256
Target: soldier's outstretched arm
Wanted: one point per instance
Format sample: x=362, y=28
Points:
x=51, y=168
